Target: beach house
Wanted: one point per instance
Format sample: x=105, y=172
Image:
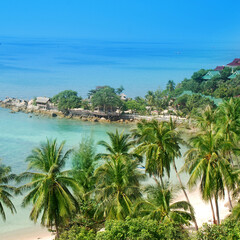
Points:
x=235, y=63
x=235, y=74
x=43, y=102
x=211, y=74
x=219, y=68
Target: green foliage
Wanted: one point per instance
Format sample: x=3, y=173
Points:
x=228, y=230
x=83, y=163
x=170, y=86
x=6, y=190
x=118, y=179
x=136, y=106
x=34, y=101
x=198, y=76
x=66, y=100
x=78, y=233
x=192, y=103
x=218, y=86
x=159, y=206
x=106, y=99
x=51, y=189
x=140, y=229
x=159, y=144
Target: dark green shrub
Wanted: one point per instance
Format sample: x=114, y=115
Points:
x=140, y=229
x=78, y=233
x=228, y=230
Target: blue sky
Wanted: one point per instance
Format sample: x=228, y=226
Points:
x=51, y=45
x=146, y=20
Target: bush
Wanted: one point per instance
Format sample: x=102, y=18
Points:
x=228, y=230
x=78, y=233
x=140, y=229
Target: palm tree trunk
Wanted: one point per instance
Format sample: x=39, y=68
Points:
x=217, y=209
x=56, y=227
x=161, y=180
x=229, y=199
x=185, y=193
x=213, y=213
x=228, y=191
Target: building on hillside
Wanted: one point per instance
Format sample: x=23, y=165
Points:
x=211, y=74
x=219, y=68
x=235, y=63
x=123, y=96
x=235, y=74
x=43, y=102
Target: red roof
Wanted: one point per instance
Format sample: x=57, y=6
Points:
x=235, y=62
x=219, y=68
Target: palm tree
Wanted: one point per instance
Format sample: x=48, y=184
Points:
x=6, y=190
x=157, y=144
x=205, y=162
x=51, y=189
x=117, y=186
x=160, y=206
x=120, y=145
x=160, y=143
x=229, y=125
x=150, y=97
x=117, y=180
x=170, y=86
x=83, y=166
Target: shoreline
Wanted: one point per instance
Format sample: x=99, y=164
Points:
x=30, y=233
x=27, y=107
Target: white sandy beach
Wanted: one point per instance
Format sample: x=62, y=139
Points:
x=202, y=209
x=36, y=233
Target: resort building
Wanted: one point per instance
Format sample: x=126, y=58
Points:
x=234, y=75
x=43, y=102
x=235, y=63
x=123, y=96
x=219, y=68
x=211, y=74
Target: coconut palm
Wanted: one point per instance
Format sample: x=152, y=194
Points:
x=206, y=163
x=117, y=180
x=229, y=125
x=117, y=186
x=51, y=189
x=83, y=166
x=120, y=145
x=6, y=190
x=170, y=86
x=158, y=144
x=160, y=206
x=150, y=98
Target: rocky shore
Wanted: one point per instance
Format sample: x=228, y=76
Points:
x=30, y=107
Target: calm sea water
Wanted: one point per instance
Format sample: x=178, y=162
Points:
x=42, y=67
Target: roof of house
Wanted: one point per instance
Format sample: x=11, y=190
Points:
x=211, y=74
x=235, y=62
x=219, y=68
x=235, y=74
x=42, y=100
